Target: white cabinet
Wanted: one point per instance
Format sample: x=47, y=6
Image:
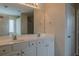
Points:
x=38, y=47
x=45, y=47
x=31, y=49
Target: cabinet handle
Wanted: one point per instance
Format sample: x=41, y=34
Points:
x=69, y=36
x=3, y=50
x=18, y=53
x=32, y=43
x=39, y=42
x=22, y=52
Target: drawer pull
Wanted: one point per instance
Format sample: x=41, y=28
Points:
x=4, y=50
x=32, y=44
x=69, y=36
x=18, y=53
x=22, y=52
x=39, y=42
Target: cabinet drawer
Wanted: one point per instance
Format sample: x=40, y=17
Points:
x=44, y=42
x=20, y=46
x=5, y=49
x=15, y=53
x=48, y=42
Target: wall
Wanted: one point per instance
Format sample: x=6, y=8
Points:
x=51, y=18
x=57, y=25
x=30, y=24
x=39, y=19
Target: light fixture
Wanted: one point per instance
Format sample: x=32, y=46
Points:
x=33, y=5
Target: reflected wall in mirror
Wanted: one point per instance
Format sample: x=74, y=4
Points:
x=16, y=19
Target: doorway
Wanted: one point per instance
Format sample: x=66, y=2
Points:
x=30, y=25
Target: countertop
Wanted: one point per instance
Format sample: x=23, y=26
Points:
x=7, y=40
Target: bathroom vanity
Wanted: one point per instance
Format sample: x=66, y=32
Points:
x=27, y=45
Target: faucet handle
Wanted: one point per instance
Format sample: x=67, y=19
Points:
x=14, y=37
x=38, y=34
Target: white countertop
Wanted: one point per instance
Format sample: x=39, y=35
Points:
x=7, y=40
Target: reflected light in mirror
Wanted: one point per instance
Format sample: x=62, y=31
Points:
x=33, y=5
x=11, y=26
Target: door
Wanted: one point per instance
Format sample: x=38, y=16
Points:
x=30, y=25
x=70, y=31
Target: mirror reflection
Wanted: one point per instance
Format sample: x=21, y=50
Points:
x=15, y=19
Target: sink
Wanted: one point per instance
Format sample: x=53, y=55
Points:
x=5, y=40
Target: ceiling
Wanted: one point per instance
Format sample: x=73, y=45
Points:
x=14, y=9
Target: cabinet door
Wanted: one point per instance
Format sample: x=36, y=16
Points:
x=45, y=48
x=5, y=49
x=49, y=44
x=41, y=50
x=30, y=50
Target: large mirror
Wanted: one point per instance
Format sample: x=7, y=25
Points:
x=16, y=19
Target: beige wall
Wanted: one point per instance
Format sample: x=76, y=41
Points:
x=53, y=23
x=39, y=19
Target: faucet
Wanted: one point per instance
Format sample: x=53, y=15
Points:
x=14, y=37
x=38, y=34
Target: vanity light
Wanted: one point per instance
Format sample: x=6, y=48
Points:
x=33, y=5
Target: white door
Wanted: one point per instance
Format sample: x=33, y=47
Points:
x=41, y=49
x=70, y=31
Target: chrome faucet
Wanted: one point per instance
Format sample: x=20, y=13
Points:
x=38, y=34
x=13, y=36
